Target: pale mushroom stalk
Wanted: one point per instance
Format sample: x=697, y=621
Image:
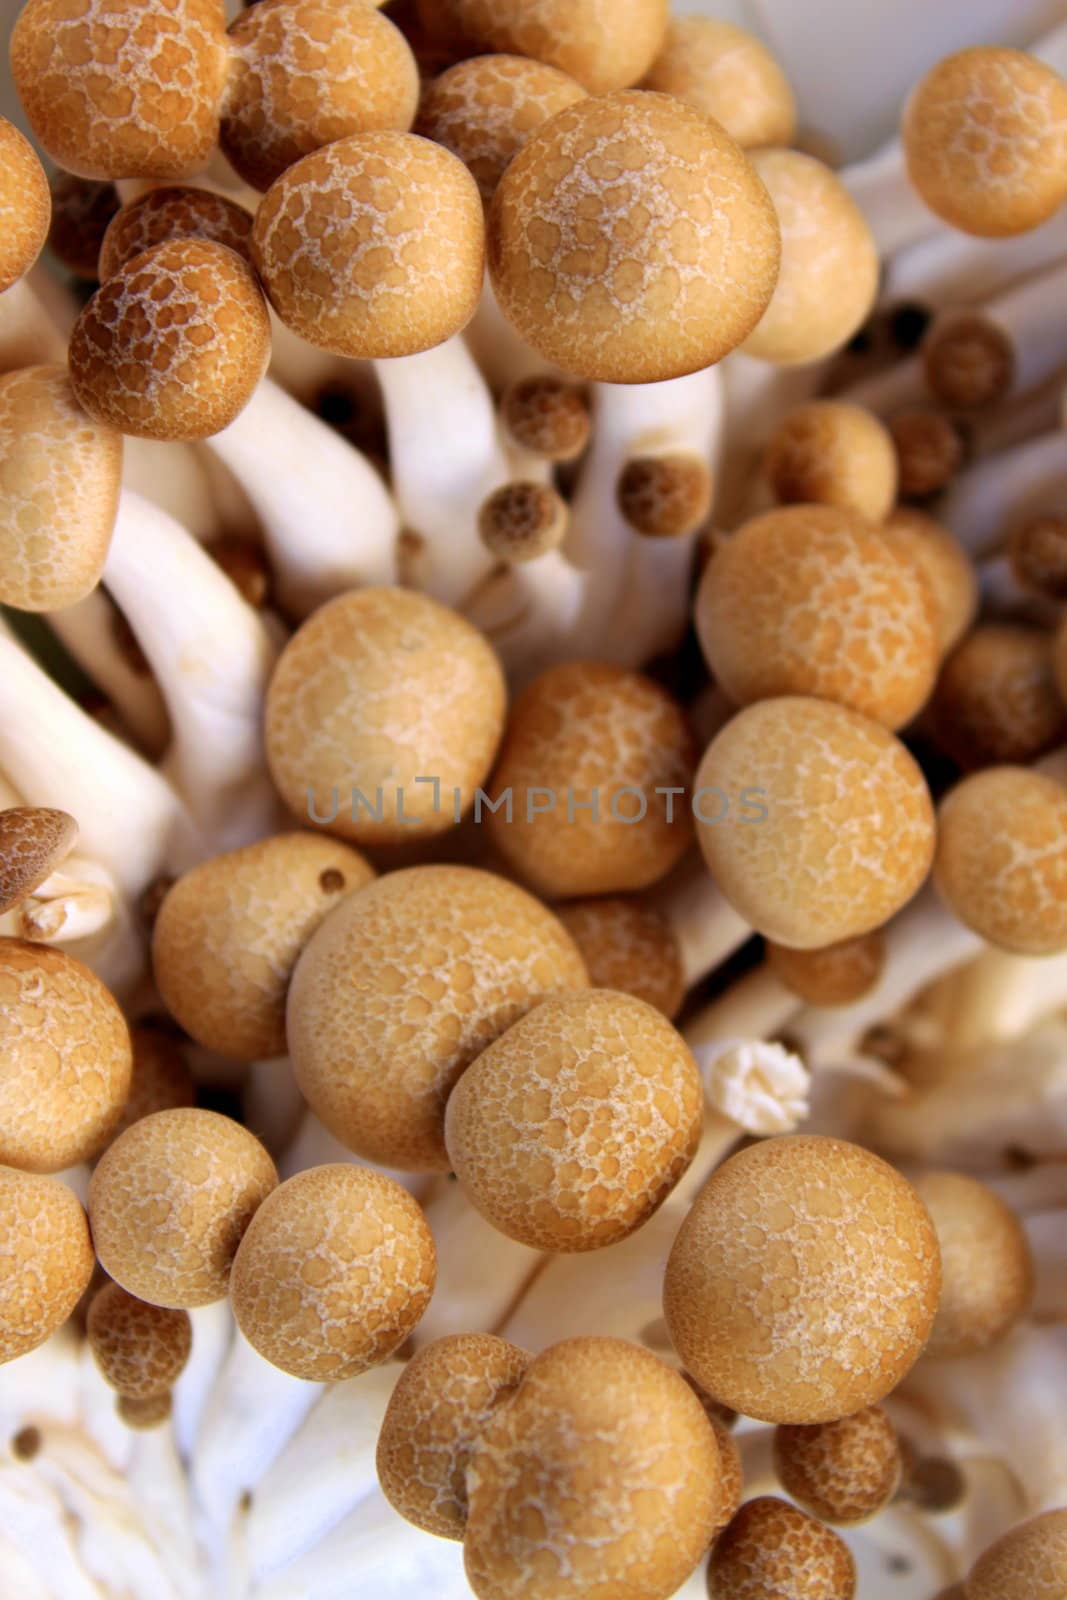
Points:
x=1021, y=331
x=87, y=630
x=997, y=493
x=895, y=388
x=481, y=1274
x=706, y=928
x=949, y=269
x=213, y=1334
x=28, y=333
x=74, y=903
x=895, y=214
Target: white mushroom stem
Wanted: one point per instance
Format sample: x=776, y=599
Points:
x=1046, y=1233
x=29, y=335
x=213, y=1333
x=1000, y=996
x=706, y=928
x=314, y=1146
x=87, y=631
x=328, y=520
x=1029, y=317
x=73, y=903
x=1000, y=491
x=955, y=269
x=273, y=1105
x=894, y=388
x=503, y=357
x=1006, y=426
x=757, y=1007
x=481, y=1273
x=530, y=611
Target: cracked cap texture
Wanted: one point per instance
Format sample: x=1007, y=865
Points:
x=174, y=212
x=25, y=205
x=46, y=1259
x=772, y=1551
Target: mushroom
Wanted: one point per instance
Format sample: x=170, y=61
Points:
x=383, y=717
x=144, y=1412
x=1037, y=554
x=1029, y=1563
x=771, y=1548
x=230, y=930
x=25, y=205
x=68, y=1052
x=529, y=601
x=829, y=452
x=398, y=991
x=1002, y=858
x=836, y=975
x=160, y=1079
x=776, y=615
x=82, y=209
x=729, y=75
x=855, y=1257
x=139, y=1348
x=987, y=1271
x=829, y=268
x=522, y=522
x=34, y=843
x=47, y=1255
x=996, y=700
x=841, y=1472
x=172, y=211
x=1009, y=346
x=170, y=1201
x=628, y=945
x=333, y=1272
x=575, y=1124
x=943, y=562
x=930, y=452
x=547, y=417
x=1000, y=492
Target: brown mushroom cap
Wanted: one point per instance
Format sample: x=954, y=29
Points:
x=987, y=1270
x=161, y=1080
x=521, y=521
x=373, y=246
x=836, y=975
x=381, y=687
x=548, y=416
x=996, y=699
x=140, y=1349
x=229, y=932
x=66, y=1053
x=170, y=1200
x=47, y=1259
x=174, y=344
x=946, y=566
x=772, y=1549
x=843, y=1471
x=829, y=268
x=811, y=600
x=143, y=1415
x=1029, y=1563
x=968, y=361
x=484, y=110
x=1037, y=550
x=25, y=205
x=33, y=842
x=852, y=1256
x=600, y=1476
x=665, y=496
x=729, y=74
x=176, y=211
x=628, y=946
x=829, y=452
x=985, y=140
x=117, y=95
x=631, y=241
x=1001, y=861
x=82, y=210
x=442, y=1402
x=572, y=1128
x=584, y=734
x=60, y=472
x=334, y=1272
x=402, y=987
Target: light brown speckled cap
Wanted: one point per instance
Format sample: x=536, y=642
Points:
x=772, y=1548
x=373, y=246
x=521, y=521
x=140, y=1349
x=402, y=987
x=25, y=205
x=33, y=842
x=334, y=1272
x=60, y=473
x=547, y=416
x=996, y=699
x=115, y=90
x=174, y=211
x=174, y=345
x=987, y=1269
x=631, y=241
x=836, y=975
x=844, y=1471
x=729, y=74
x=628, y=945
x=1029, y=1563
x=832, y=453
x=946, y=566
x=47, y=1259
x=854, y=1259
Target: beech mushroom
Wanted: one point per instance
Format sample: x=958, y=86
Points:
x=728, y=74
x=547, y=416
x=160, y=1079
x=172, y=211
x=1037, y=552
x=840, y=1472
x=139, y=1348
x=829, y=452
x=930, y=452
x=987, y=1271
x=151, y=1411
x=34, y=842
x=575, y=1124
x=629, y=946
x=996, y=700
x=522, y=522
x=47, y=1255
x=333, y=1272
x=82, y=209
x=1000, y=492
x=25, y=205
x=170, y=1200
x=772, y=1549
x=398, y=991
x=836, y=975
x=1029, y=1563
x=943, y=562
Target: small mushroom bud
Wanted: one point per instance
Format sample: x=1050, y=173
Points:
x=727, y=74
x=946, y=566
x=665, y=496
x=1029, y=1563
x=82, y=211
x=25, y=205
x=142, y=1415
x=987, y=1271
x=173, y=212
x=34, y=840
x=628, y=946
x=772, y=1551
x=842, y=1472
x=548, y=417
x=831, y=453
x=47, y=1259
x=996, y=699
x=1037, y=550
x=930, y=452
x=140, y=1349
x=522, y=521
x=836, y=975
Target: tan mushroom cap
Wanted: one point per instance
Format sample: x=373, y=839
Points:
x=373, y=246
x=829, y=269
x=305, y=73
x=836, y=975
x=381, y=687
x=176, y=211
x=847, y=835
x=812, y=600
x=987, y=1270
x=833, y=453
x=771, y=1548
x=161, y=1079
x=630, y=240
x=113, y=93
x=484, y=110
x=946, y=566
x=665, y=496
x=1001, y=861
x=34, y=840
x=66, y=1053
x=996, y=700
x=1038, y=553
x=442, y=1402
x=548, y=416
x=600, y=1476
x=584, y=734
x=522, y=521
x=402, y=987
x=144, y=1415
x=843, y=1471
x=82, y=210
x=230, y=931
x=25, y=205
x=628, y=946
x=47, y=1259
x=604, y=44
x=1029, y=1563
x=174, y=344
x=572, y=1128
x=140, y=1349
x=60, y=472
x=731, y=1468
x=729, y=74
x=985, y=140
x=968, y=361
x=334, y=1272
x=170, y=1200
x=852, y=1256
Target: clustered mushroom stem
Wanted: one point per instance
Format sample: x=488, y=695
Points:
x=1000, y=491
x=757, y=1006
x=529, y=611
x=480, y=1272
x=28, y=334
x=955, y=269
x=758, y=397
x=74, y=903
x=896, y=388
x=87, y=631
x=706, y=928
x=1026, y=318
x=895, y=214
